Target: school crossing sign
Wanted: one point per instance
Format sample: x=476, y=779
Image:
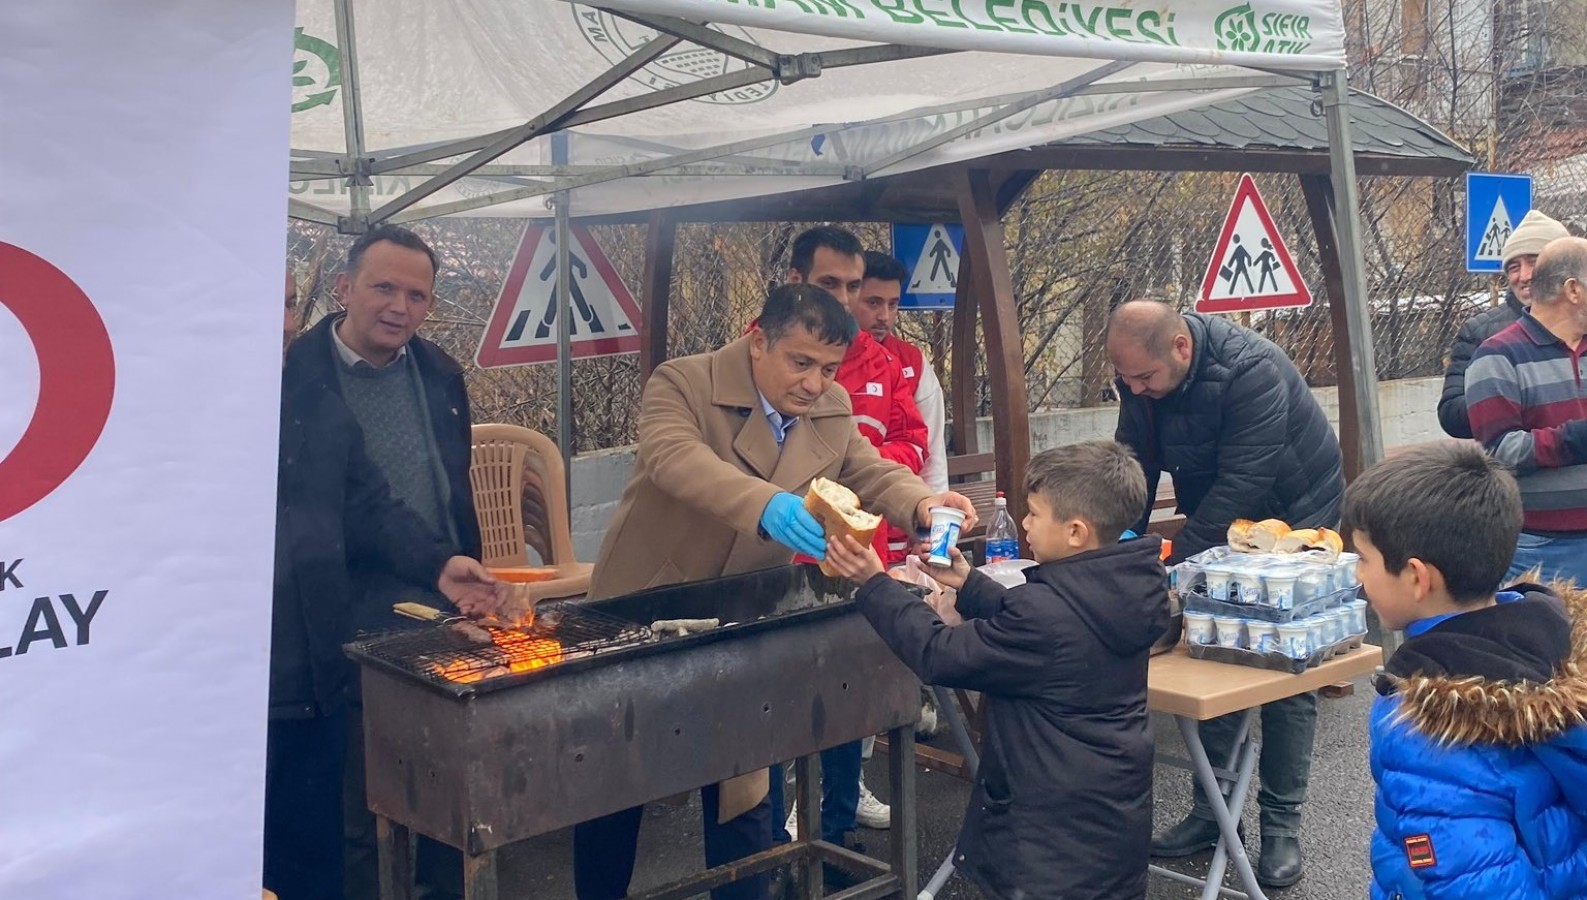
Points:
x=1250, y=267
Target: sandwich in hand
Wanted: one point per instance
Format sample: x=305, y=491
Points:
x=838, y=510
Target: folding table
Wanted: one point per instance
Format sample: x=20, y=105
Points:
x=1194, y=691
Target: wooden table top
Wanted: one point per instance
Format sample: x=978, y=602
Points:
x=1202, y=689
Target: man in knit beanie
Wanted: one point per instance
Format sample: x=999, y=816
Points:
x=1519, y=256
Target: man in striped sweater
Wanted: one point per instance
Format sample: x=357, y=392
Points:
x=1527, y=393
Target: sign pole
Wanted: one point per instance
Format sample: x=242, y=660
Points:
x=564, y=317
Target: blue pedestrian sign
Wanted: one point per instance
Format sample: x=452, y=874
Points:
x=1495, y=204
x=930, y=254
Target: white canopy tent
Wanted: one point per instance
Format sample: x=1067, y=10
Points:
x=541, y=107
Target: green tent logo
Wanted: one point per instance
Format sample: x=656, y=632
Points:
x=316, y=72
x=1236, y=29
x=1241, y=29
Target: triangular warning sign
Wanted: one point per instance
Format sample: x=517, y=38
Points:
x=1495, y=233
x=523, y=327
x=937, y=270
x=1250, y=267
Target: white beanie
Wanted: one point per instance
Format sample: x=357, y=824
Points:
x=1529, y=237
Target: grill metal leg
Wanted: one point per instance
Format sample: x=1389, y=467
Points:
x=807, y=791
x=395, y=845
x=901, y=783
x=479, y=877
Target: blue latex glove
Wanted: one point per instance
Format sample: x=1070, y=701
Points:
x=790, y=524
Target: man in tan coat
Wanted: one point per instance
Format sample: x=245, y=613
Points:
x=728, y=443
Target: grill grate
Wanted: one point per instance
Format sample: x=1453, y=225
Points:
x=445, y=656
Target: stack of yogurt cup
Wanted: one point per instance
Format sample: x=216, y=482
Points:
x=1270, y=605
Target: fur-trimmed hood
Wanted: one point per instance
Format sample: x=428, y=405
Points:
x=1514, y=674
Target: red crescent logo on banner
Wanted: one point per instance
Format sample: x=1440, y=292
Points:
x=77, y=378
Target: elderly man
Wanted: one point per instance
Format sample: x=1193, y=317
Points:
x=1527, y=386
x=1225, y=413
x=1519, y=256
x=333, y=507
x=407, y=398
x=728, y=443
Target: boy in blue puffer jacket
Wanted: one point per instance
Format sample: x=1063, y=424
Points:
x=1479, y=747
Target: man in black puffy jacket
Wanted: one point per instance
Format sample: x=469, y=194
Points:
x=1225, y=413
x=1519, y=256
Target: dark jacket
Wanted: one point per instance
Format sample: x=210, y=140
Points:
x=1480, y=756
x=1062, y=806
x=332, y=505
x=1452, y=405
x=341, y=540
x=1242, y=437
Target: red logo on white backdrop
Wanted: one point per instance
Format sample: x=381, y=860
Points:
x=77, y=378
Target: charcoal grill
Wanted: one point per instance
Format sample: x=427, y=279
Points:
x=625, y=717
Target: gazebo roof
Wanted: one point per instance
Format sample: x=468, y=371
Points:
x=1277, y=130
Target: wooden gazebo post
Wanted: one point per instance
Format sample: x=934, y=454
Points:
x=1005, y=358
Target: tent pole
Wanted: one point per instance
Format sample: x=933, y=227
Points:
x=1347, y=231
x=355, y=164
x=564, y=302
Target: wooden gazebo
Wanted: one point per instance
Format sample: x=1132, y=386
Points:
x=1277, y=131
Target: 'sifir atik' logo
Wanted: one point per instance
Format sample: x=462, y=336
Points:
x=77, y=378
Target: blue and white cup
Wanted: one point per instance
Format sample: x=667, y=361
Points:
x=1231, y=631
x=945, y=524
x=1199, y=628
x=1218, y=575
x=1357, y=610
x=1261, y=636
x=1246, y=586
x=1294, y=639
x=1279, y=583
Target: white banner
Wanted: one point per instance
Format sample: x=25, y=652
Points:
x=1283, y=34
x=436, y=71
x=141, y=156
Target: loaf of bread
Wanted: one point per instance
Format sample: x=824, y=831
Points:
x=838, y=510
x=1301, y=539
x=1247, y=536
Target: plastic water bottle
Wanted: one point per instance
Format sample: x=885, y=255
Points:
x=1002, y=541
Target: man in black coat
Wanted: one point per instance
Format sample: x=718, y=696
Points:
x=1519, y=257
x=1225, y=413
x=408, y=399
x=332, y=506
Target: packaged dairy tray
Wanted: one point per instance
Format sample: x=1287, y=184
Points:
x=1277, y=662
x=1291, y=646
x=1273, y=586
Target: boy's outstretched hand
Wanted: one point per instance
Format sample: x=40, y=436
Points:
x=953, y=576
x=853, y=560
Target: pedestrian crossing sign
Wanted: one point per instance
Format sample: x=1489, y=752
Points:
x=930, y=254
x=523, y=326
x=1250, y=266
x=1495, y=204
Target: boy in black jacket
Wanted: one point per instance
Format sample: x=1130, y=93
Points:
x=1062, y=806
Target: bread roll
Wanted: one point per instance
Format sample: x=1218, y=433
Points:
x=1246, y=536
x=838, y=510
x=1324, y=539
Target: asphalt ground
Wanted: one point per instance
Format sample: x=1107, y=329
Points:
x=1337, y=823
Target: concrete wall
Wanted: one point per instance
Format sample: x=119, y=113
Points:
x=1408, y=409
